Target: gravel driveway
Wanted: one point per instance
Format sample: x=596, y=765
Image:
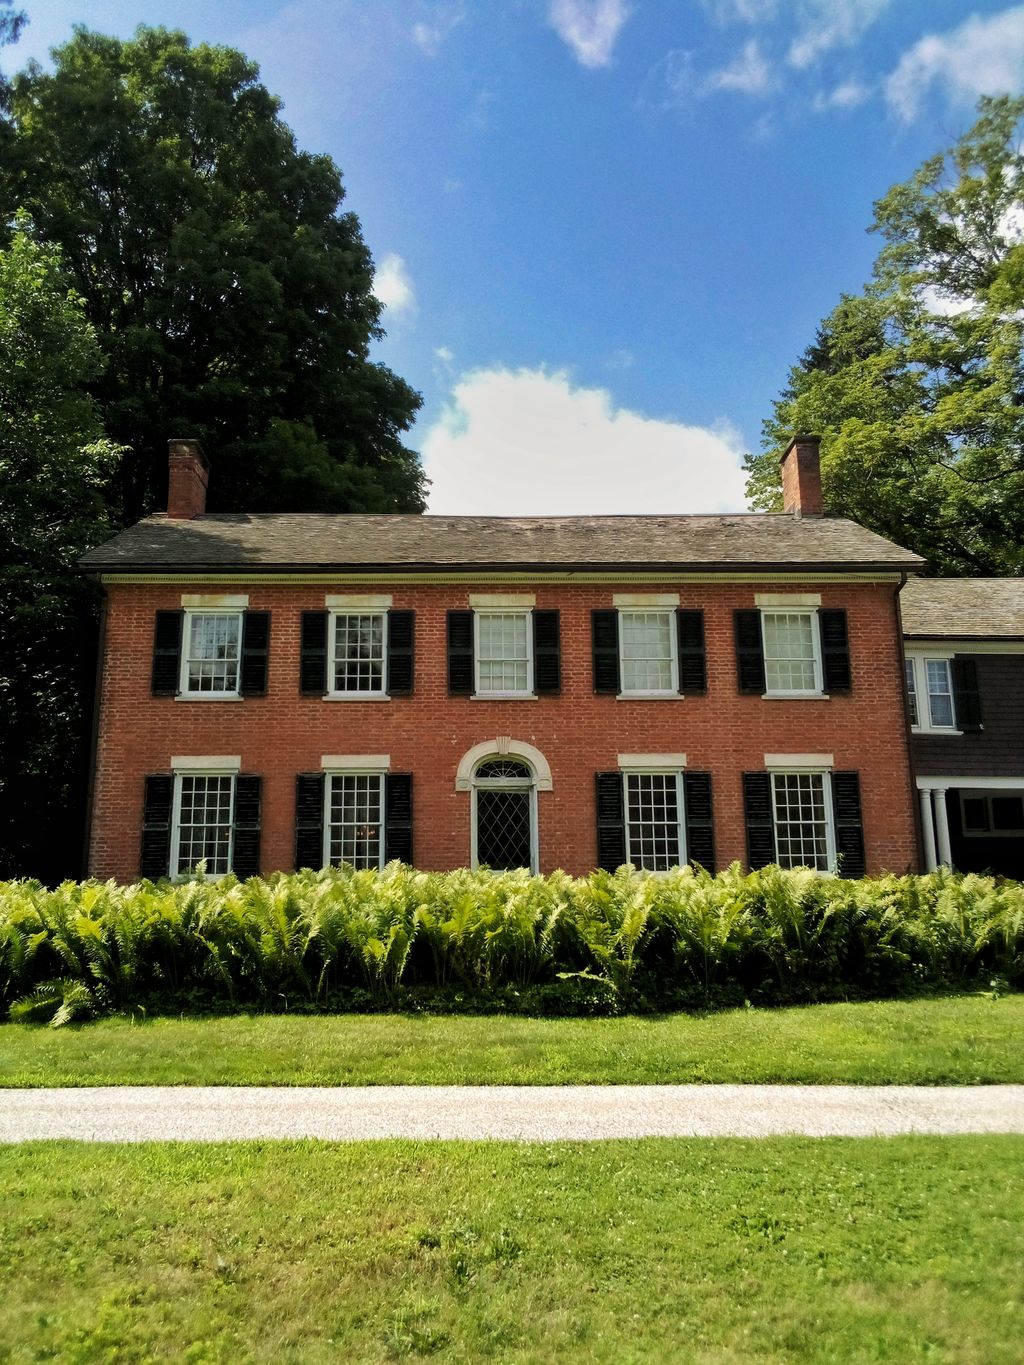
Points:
x=521, y=1113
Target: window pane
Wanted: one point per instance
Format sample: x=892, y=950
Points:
x=908, y=665
x=646, y=645
x=213, y=648
x=359, y=652
x=355, y=819
x=204, y=824
x=801, y=826
x=504, y=651
x=789, y=651
x=652, y=820
x=975, y=814
x=940, y=695
x=1007, y=813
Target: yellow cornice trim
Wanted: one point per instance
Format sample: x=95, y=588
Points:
x=511, y=576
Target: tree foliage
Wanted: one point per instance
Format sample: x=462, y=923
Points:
x=916, y=386
x=231, y=296
x=53, y=466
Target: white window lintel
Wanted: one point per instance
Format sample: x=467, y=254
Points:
x=203, y=601
x=358, y=601
x=784, y=600
x=647, y=761
x=355, y=763
x=801, y=761
x=221, y=763
x=503, y=744
x=645, y=600
x=497, y=601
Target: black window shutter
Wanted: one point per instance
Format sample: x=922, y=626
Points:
x=835, y=650
x=156, y=826
x=167, y=653
x=461, y=669
x=401, y=637
x=749, y=653
x=611, y=821
x=849, y=824
x=255, y=653
x=313, y=668
x=966, y=696
x=309, y=820
x=604, y=627
x=398, y=817
x=693, y=677
x=757, y=811
x=700, y=825
x=246, y=858
x=547, y=652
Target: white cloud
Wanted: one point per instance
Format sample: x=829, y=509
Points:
x=431, y=34
x=528, y=442
x=393, y=287
x=845, y=96
x=444, y=354
x=590, y=28
x=828, y=24
x=749, y=74
x=980, y=57
x=741, y=11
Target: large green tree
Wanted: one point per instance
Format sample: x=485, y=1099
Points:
x=54, y=464
x=231, y=296
x=916, y=386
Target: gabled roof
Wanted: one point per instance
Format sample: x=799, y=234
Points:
x=308, y=541
x=963, y=608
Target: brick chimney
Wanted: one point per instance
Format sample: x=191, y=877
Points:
x=188, y=477
x=801, y=477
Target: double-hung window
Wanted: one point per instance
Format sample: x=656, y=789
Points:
x=792, y=653
x=802, y=814
x=211, y=654
x=203, y=822
x=354, y=819
x=648, y=652
x=655, y=839
x=357, y=664
x=504, y=653
x=930, y=693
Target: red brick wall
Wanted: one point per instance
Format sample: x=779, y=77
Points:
x=579, y=733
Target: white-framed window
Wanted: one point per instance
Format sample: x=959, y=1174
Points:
x=655, y=833
x=992, y=814
x=211, y=654
x=357, y=662
x=503, y=652
x=202, y=824
x=792, y=653
x=804, y=825
x=930, y=690
x=648, y=652
x=354, y=819
x=504, y=816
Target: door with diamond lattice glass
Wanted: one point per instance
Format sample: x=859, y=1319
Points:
x=503, y=836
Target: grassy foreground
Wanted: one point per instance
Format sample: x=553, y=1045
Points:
x=907, y=1249
x=957, y=1040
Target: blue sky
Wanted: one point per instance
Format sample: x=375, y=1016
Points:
x=604, y=229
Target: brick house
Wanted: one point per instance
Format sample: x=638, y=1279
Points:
x=965, y=680
x=284, y=690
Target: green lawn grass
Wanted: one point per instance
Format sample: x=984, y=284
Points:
x=956, y=1040
x=776, y=1250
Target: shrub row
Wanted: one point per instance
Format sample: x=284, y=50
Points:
x=344, y=939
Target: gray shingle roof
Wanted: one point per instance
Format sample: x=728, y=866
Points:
x=313, y=540
x=963, y=608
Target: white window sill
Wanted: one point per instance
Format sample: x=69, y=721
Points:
x=504, y=696
x=356, y=696
x=209, y=696
x=795, y=696
x=934, y=730
x=649, y=696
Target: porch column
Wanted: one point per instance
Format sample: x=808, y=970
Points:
x=931, y=862
x=942, y=823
